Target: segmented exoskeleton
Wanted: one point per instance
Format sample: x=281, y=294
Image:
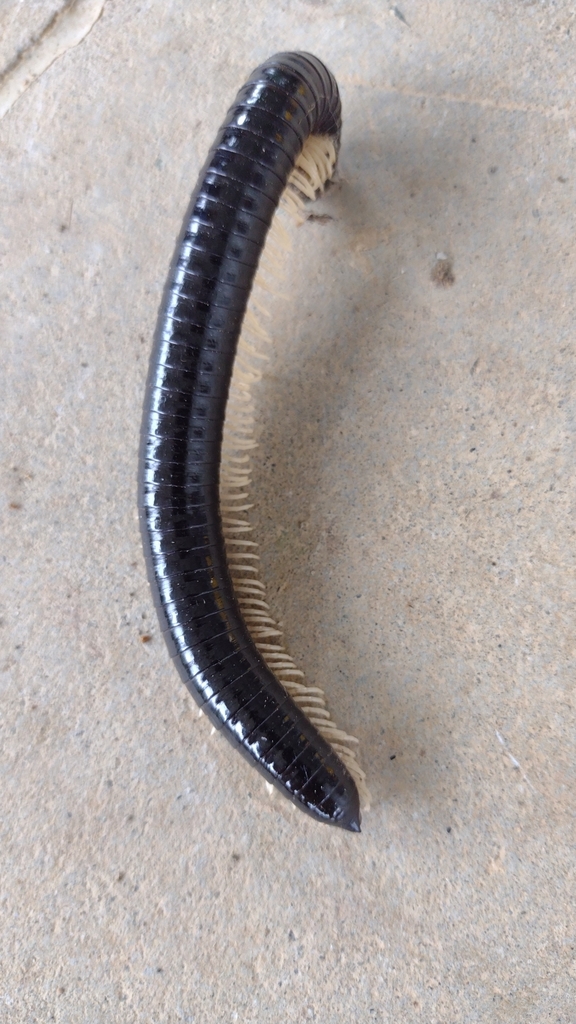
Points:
x=290, y=99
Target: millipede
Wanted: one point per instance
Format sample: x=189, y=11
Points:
x=276, y=148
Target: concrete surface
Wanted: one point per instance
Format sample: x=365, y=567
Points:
x=416, y=495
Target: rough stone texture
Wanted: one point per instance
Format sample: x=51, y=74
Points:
x=415, y=501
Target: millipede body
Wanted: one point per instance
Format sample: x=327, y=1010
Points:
x=288, y=101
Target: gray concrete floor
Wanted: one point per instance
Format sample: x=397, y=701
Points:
x=415, y=503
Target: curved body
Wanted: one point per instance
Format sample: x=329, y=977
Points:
x=287, y=99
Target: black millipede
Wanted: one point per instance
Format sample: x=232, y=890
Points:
x=278, y=142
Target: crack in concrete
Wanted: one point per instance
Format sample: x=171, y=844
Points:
x=515, y=763
x=561, y=113
x=68, y=27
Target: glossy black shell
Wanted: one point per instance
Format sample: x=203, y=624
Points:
x=288, y=98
